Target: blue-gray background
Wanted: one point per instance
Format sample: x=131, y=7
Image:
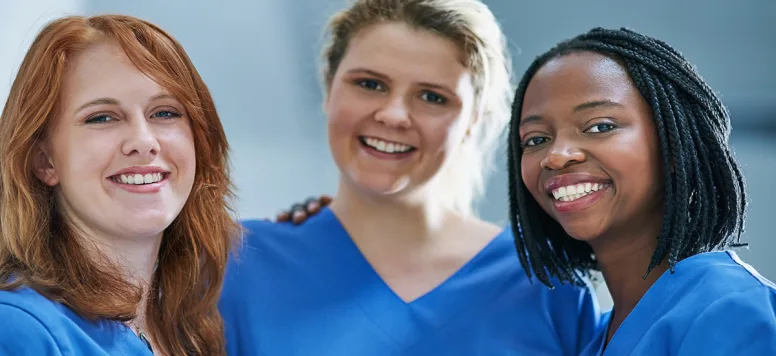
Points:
x=260, y=60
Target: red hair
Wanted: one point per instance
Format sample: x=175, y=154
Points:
x=40, y=250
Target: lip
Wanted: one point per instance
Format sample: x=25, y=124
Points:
x=363, y=137
x=384, y=155
x=140, y=170
x=572, y=179
x=581, y=203
x=142, y=188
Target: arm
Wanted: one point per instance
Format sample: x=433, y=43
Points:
x=21, y=333
x=299, y=212
x=743, y=323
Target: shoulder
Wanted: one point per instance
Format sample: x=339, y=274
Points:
x=720, y=275
x=741, y=322
x=30, y=323
x=258, y=231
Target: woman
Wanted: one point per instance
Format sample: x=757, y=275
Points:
x=114, y=196
x=620, y=161
x=417, y=92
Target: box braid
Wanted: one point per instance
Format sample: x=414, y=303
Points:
x=705, y=199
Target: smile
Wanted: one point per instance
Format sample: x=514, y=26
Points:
x=139, y=179
x=577, y=191
x=385, y=146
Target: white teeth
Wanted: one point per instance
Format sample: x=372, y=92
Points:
x=574, y=192
x=138, y=179
x=387, y=147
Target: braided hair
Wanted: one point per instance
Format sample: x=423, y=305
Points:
x=704, y=199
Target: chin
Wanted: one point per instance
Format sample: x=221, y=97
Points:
x=583, y=231
x=380, y=184
x=147, y=225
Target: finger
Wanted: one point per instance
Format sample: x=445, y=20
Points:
x=325, y=200
x=299, y=216
x=313, y=207
x=282, y=216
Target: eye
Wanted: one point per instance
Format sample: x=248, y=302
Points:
x=99, y=119
x=370, y=84
x=166, y=114
x=433, y=98
x=535, y=141
x=601, y=128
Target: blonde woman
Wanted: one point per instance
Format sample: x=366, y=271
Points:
x=417, y=93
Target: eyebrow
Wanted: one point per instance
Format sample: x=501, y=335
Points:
x=581, y=107
x=597, y=104
x=385, y=77
x=100, y=101
x=111, y=101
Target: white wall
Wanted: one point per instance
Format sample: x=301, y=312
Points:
x=20, y=21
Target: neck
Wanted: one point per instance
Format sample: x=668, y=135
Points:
x=136, y=259
x=390, y=219
x=623, y=261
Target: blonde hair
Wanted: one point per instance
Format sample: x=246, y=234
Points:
x=41, y=250
x=472, y=26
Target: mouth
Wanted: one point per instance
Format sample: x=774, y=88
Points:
x=386, y=147
x=139, y=179
x=577, y=191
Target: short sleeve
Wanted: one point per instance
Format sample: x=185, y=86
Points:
x=743, y=323
x=21, y=333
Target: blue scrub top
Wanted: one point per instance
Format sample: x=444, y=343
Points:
x=308, y=290
x=714, y=304
x=30, y=324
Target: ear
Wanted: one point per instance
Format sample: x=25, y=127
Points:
x=44, y=166
x=467, y=135
x=326, y=96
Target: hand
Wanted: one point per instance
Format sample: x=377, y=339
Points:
x=299, y=212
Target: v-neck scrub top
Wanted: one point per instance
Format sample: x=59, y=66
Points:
x=308, y=290
x=31, y=324
x=712, y=305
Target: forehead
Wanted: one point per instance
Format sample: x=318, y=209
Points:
x=398, y=50
x=576, y=78
x=104, y=70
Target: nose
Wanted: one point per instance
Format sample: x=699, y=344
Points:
x=141, y=139
x=394, y=113
x=562, y=154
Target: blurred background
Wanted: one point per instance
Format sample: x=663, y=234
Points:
x=260, y=60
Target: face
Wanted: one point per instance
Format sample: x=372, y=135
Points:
x=120, y=152
x=591, y=154
x=398, y=106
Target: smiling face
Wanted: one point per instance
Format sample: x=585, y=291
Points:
x=398, y=105
x=591, y=156
x=120, y=151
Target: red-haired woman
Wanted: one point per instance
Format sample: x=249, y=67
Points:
x=115, y=223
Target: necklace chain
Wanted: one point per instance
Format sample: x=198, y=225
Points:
x=141, y=335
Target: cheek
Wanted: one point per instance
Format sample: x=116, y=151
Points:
x=83, y=157
x=443, y=133
x=343, y=119
x=637, y=163
x=529, y=171
x=179, y=142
